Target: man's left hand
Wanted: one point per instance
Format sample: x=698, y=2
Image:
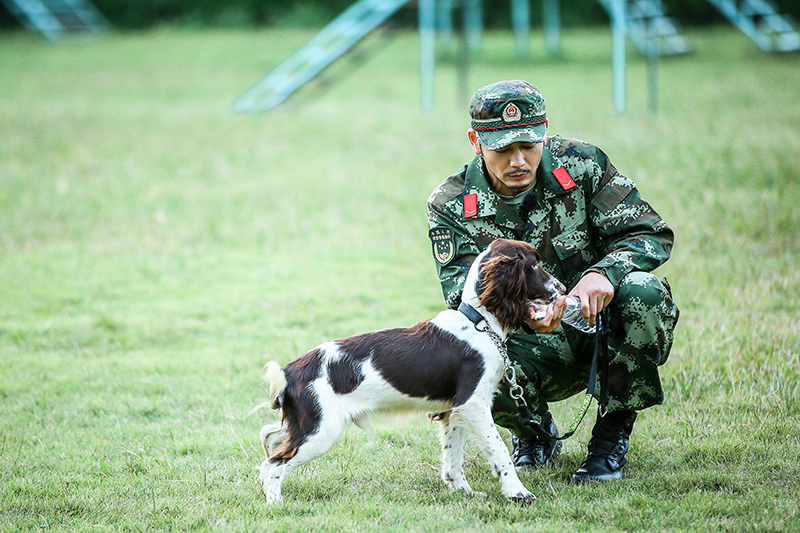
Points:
x=595, y=292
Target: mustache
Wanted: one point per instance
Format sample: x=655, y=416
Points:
x=516, y=171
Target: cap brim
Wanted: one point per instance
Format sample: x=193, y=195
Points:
x=500, y=138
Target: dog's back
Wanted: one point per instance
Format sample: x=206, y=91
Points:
x=423, y=367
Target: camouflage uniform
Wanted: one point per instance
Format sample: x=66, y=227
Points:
x=582, y=216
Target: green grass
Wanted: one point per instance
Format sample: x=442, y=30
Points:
x=156, y=250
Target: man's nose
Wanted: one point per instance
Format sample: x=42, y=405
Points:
x=517, y=157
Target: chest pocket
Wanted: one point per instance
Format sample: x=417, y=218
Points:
x=575, y=253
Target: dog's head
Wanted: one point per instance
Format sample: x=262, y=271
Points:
x=511, y=277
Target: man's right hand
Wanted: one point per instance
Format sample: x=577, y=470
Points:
x=552, y=319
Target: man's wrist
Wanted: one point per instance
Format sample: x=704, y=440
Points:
x=603, y=272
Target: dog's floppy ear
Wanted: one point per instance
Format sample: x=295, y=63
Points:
x=503, y=290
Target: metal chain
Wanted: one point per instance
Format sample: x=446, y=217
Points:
x=509, y=373
x=515, y=390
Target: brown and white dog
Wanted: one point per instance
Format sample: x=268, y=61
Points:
x=443, y=365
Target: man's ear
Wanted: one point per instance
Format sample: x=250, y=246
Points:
x=473, y=140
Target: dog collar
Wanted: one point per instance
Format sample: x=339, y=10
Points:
x=470, y=312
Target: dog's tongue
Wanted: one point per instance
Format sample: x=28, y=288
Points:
x=537, y=311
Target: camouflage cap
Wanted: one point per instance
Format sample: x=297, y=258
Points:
x=507, y=112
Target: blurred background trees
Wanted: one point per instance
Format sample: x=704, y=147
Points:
x=138, y=14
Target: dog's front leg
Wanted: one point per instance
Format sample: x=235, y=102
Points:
x=478, y=417
x=453, y=438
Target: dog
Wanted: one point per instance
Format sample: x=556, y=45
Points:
x=445, y=365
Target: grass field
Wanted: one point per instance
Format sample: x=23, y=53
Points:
x=156, y=250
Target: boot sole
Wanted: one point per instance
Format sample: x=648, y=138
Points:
x=578, y=480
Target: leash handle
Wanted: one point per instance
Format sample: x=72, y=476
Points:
x=525, y=414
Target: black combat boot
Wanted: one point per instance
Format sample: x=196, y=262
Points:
x=536, y=452
x=607, y=448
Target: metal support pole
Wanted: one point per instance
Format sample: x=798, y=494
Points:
x=551, y=13
x=444, y=25
x=653, y=57
x=427, y=50
x=462, y=64
x=474, y=25
x=521, y=21
x=618, y=53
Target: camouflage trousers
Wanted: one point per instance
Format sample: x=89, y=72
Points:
x=555, y=366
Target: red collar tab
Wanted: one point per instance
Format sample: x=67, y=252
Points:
x=564, y=178
x=470, y=205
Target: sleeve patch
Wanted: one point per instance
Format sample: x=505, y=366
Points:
x=613, y=193
x=444, y=245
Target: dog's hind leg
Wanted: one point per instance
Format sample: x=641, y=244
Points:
x=271, y=436
x=274, y=471
x=478, y=417
x=453, y=438
x=271, y=476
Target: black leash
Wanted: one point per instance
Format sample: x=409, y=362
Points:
x=600, y=360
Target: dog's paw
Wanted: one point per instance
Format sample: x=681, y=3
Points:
x=270, y=481
x=271, y=493
x=523, y=498
x=272, y=498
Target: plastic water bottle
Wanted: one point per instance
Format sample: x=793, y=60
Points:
x=573, y=316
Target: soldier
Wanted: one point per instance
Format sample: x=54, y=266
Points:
x=595, y=234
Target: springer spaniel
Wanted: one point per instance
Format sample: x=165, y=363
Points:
x=445, y=365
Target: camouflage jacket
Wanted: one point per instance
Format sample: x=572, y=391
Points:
x=582, y=216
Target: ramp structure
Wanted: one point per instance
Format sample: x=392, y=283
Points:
x=760, y=21
x=55, y=18
x=645, y=20
x=334, y=40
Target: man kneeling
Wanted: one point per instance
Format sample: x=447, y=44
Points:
x=595, y=234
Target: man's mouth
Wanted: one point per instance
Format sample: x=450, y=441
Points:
x=518, y=174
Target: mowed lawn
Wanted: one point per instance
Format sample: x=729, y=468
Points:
x=156, y=250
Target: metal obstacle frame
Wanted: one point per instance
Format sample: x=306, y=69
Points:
x=644, y=21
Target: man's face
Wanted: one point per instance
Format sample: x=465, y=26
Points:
x=511, y=169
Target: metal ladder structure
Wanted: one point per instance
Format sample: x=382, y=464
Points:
x=760, y=21
x=645, y=20
x=55, y=18
x=334, y=40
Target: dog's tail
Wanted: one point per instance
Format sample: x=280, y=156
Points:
x=277, y=384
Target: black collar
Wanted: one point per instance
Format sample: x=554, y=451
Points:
x=476, y=318
x=471, y=313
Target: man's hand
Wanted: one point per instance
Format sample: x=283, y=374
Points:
x=595, y=293
x=552, y=319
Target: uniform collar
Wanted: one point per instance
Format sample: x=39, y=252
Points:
x=490, y=204
x=545, y=178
